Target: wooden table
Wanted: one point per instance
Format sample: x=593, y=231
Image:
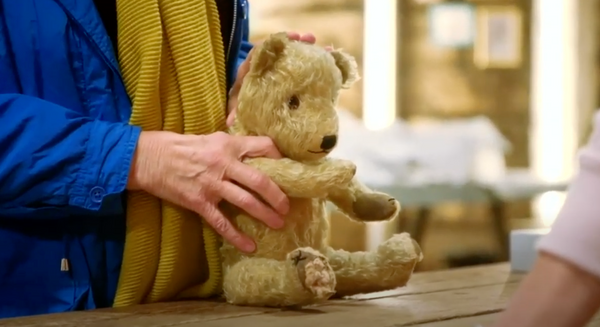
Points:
x=461, y=297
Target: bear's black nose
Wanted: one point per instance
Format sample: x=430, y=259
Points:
x=328, y=142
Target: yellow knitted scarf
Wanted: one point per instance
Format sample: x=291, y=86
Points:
x=172, y=59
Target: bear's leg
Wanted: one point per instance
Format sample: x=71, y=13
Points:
x=304, y=278
x=360, y=203
x=389, y=267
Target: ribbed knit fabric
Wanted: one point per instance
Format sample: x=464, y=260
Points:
x=172, y=59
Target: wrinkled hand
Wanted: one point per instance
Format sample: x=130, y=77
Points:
x=245, y=67
x=198, y=171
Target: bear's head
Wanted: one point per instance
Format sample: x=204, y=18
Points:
x=290, y=94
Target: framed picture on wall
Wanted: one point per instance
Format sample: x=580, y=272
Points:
x=451, y=25
x=499, y=41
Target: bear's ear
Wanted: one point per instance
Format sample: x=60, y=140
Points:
x=268, y=53
x=347, y=65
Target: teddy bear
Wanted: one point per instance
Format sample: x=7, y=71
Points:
x=290, y=94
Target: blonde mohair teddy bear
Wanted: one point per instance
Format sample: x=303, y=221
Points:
x=290, y=95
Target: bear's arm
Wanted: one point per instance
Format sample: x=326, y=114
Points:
x=302, y=180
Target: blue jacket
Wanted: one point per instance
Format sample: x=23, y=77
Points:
x=65, y=152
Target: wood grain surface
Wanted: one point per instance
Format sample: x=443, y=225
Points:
x=452, y=298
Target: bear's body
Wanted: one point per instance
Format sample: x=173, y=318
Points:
x=290, y=95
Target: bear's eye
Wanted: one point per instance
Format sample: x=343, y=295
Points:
x=293, y=102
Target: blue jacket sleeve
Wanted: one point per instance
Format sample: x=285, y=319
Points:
x=53, y=157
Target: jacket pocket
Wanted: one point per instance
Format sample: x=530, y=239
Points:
x=30, y=297
x=32, y=280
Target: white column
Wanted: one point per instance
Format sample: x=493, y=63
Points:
x=380, y=57
x=379, y=76
x=554, y=103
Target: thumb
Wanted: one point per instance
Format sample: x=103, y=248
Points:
x=231, y=117
x=244, y=68
x=257, y=146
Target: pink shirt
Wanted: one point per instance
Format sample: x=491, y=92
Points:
x=575, y=235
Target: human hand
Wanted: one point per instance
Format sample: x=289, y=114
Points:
x=198, y=171
x=562, y=294
x=245, y=67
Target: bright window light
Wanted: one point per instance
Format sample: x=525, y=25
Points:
x=554, y=99
x=379, y=73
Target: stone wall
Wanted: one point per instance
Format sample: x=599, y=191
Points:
x=445, y=83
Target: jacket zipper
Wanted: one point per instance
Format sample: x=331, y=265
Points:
x=233, y=26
